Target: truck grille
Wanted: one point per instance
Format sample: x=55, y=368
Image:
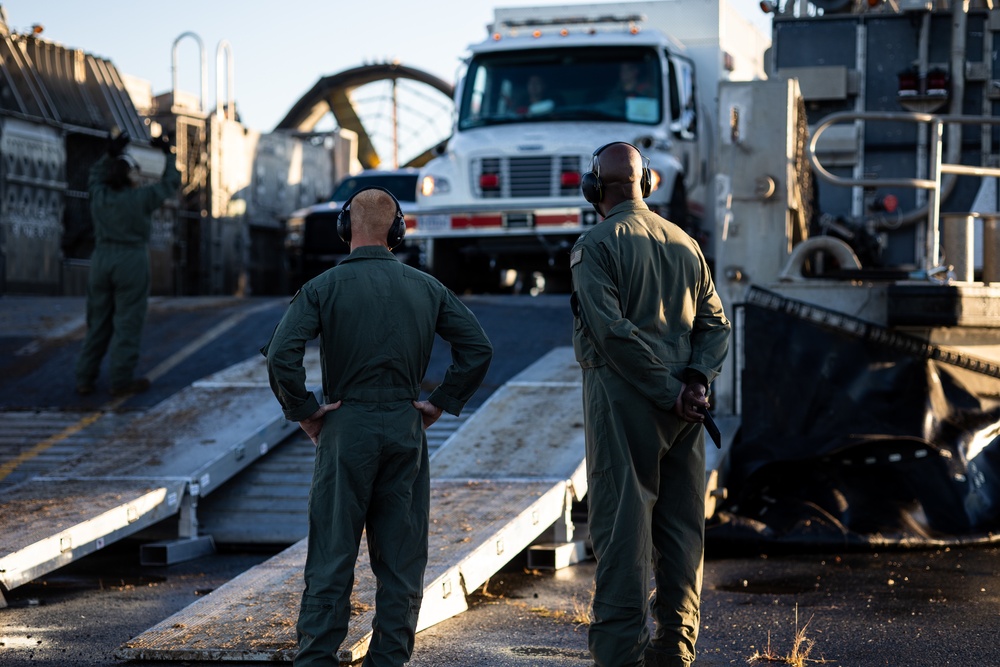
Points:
x=536, y=176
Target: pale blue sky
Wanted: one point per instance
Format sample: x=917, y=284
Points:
x=280, y=49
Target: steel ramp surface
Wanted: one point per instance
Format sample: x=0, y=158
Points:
x=139, y=471
x=503, y=478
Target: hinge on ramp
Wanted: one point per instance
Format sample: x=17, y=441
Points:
x=188, y=545
x=563, y=544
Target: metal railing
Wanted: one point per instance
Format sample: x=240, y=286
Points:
x=932, y=250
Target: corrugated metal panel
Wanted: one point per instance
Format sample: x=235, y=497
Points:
x=51, y=83
x=37, y=443
x=266, y=504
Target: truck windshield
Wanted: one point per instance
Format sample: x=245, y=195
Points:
x=595, y=83
x=402, y=186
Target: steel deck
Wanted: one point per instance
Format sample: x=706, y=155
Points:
x=501, y=481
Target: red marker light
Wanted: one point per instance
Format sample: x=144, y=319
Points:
x=489, y=181
x=569, y=179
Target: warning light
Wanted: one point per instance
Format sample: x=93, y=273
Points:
x=888, y=204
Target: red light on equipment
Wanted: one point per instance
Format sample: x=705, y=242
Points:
x=937, y=82
x=569, y=179
x=489, y=181
x=909, y=83
x=890, y=203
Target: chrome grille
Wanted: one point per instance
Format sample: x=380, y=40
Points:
x=530, y=177
x=536, y=176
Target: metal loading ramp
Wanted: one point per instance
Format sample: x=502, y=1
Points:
x=135, y=473
x=505, y=477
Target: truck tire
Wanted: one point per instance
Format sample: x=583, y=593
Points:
x=679, y=205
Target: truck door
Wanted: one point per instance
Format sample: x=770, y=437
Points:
x=684, y=117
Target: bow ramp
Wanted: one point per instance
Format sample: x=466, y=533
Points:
x=506, y=477
x=131, y=473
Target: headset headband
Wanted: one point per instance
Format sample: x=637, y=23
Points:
x=396, y=230
x=593, y=187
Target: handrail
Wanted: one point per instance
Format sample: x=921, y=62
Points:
x=224, y=49
x=202, y=72
x=932, y=248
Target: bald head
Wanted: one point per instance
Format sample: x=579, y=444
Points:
x=372, y=213
x=620, y=169
x=621, y=165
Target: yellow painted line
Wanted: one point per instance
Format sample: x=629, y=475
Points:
x=156, y=373
x=191, y=348
x=9, y=467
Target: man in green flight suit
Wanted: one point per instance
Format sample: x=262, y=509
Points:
x=650, y=335
x=119, y=279
x=376, y=319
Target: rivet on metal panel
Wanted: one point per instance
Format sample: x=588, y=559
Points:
x=132, y=514
x=65, y=543
x=500, y=547
x=263, y=448
x=446, y=588
x=99, y=543
x=240, y=451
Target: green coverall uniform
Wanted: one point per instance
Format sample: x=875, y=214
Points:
x=119, y=280
x=376, y=319
x=647, y=320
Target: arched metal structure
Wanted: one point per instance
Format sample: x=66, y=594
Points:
x=332, y=94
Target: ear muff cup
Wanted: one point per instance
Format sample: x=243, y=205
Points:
x=396, y=231
x=590, y=182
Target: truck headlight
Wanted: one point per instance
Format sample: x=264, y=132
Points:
x=294, y=233
x=654, y=180
x=434, y=185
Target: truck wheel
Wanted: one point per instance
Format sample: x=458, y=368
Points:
x=558, y=282
x=480, y=276
x=679, y=205
x=449, y=266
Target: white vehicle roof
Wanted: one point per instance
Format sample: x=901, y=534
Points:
x=524, y=39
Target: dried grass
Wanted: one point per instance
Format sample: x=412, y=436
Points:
x=802, y=646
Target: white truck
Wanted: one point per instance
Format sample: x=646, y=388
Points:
x=501, y=205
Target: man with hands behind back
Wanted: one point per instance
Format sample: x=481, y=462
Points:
x=650, y=335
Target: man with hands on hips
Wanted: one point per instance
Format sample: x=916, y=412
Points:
x=376, y=320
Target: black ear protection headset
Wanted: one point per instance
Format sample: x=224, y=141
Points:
x=590, y=183
x=396, y=231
